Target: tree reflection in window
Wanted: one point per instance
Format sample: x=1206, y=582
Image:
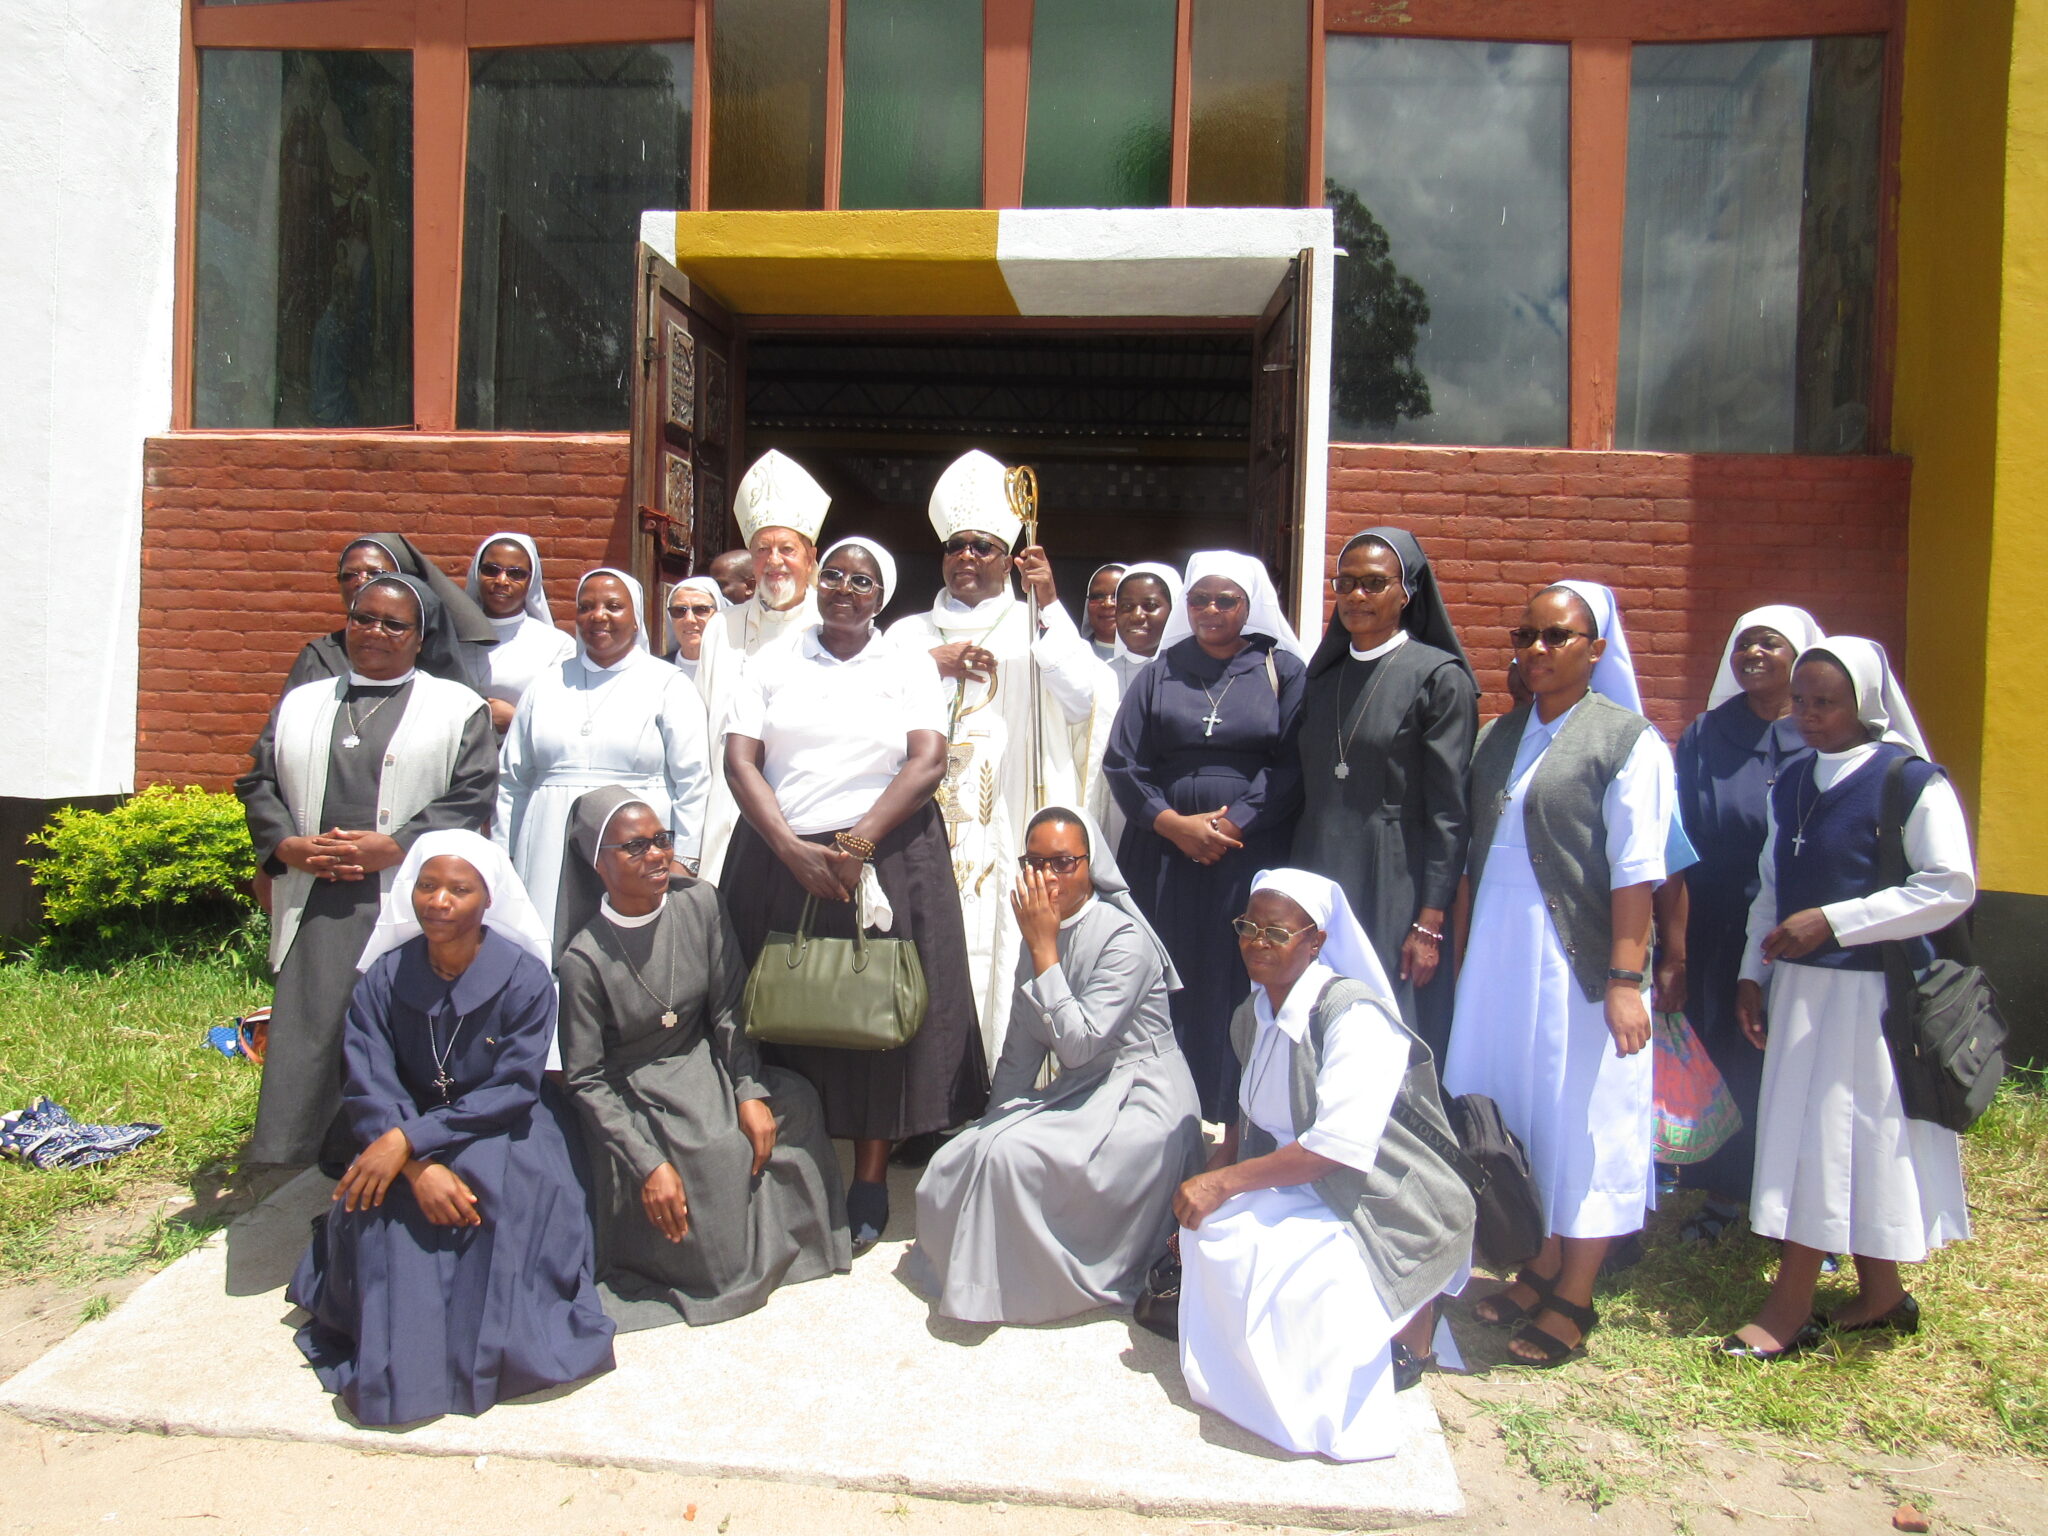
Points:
x=1380, y=312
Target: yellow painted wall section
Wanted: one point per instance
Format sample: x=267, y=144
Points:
x=2012, y=820
x=852, y=263
x=1952, y=165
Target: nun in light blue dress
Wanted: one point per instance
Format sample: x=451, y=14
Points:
x=411, y=1318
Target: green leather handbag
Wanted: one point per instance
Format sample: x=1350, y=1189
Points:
x=857, y=994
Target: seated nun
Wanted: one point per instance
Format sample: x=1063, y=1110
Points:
x=1058, y=1198
x=454, y=1268
x=1325, y=1227
x=714, y=1179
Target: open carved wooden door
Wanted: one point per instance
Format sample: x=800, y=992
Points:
x=688, y=383
x=1278, y=479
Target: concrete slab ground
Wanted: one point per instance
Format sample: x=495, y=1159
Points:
x=851, y=1382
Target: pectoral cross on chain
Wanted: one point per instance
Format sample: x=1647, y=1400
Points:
x=444, y=1083
x=668, y=1019
x=1211, y=720
x=1798, y=843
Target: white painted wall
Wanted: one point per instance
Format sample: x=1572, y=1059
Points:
x=88, y=179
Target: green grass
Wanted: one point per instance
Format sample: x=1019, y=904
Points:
x=126, y=1043
x=1974, y=1379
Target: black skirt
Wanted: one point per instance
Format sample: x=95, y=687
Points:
x=940, y=1078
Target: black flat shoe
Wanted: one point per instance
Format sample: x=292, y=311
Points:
x=867, y=1214
x=1903, y=1318
x=1505, y=1312
x=1812, y=1333
x=1555, y=1350
x=1409, y=1366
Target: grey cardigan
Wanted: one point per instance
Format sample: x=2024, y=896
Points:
x=1563, y=822
x=1412, y=1215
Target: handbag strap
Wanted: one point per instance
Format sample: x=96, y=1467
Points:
x=1892, y=869
x=860, y=931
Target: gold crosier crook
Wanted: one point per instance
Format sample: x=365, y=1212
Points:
x=1021, y=485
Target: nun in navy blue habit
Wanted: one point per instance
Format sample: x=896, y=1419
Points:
x=454, y=1268
x=1728, y=760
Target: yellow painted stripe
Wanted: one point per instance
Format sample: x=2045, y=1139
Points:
x=940, y=262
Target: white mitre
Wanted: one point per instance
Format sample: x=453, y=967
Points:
x=973, y=494
x=778, y=493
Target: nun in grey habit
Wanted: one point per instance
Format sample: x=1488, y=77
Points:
x=664, y=1079
x=1059, y=1197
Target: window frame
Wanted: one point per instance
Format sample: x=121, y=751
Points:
x=440, y=33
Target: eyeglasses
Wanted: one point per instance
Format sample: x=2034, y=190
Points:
x=832, y=579
x=1372, y=585
x=1275, y=936
x=636, y=847
x=1058, y=863
x=495, y=571
x=961, y=543
x=1554, y=637
x=388, y=626
x=691, y=610
x=1222, y=602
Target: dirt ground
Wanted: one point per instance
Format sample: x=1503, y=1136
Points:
x=63, y=1482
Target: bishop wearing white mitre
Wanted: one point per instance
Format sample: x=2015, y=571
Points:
x=780, y=509
x=978, y=631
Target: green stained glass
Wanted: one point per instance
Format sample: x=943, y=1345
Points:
x=913, y=105
x=1101, y=126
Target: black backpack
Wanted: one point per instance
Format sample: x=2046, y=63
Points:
x=1942, y=1026
x=1494, y=1164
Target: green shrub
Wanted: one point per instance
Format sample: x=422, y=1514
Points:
x=168, y=859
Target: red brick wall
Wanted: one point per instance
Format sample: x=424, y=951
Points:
x=1689, y=543
x=241, y=533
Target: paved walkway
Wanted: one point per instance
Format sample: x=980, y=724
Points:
x=850, y=1381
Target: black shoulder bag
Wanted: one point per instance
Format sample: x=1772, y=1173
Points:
x=1942, y=1026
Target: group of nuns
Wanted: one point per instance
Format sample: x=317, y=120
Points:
x=1326, y=899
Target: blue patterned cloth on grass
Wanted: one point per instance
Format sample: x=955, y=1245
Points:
x=45, y=1136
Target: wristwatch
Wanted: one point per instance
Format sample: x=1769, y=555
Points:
x=1633, y=978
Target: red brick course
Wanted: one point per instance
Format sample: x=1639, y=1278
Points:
x=240, y=535
x=1689, y=542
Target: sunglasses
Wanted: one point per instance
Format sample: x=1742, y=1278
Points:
x=495, y=571
x=1058, y=863
x=1273, y=935
x=1373, y=585
x=1554, y=637
x=388, y=626
x=832, y=579
x=1222, y=602
x=691, y=610
x=961, y=543
x=636, y=847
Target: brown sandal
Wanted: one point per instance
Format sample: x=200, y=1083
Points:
x=1505, y=1312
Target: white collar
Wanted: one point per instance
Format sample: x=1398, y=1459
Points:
x=1538, y=726
x=357, y=680
x=1384, y=648
x=988, y=608
x=620, y=665
x=1293, y=1017
x=507, y=628
x=1079, y=912
x=619, y=919
x=813, y=646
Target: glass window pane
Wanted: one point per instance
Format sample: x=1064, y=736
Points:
x=567, y=147
x=1100, y=133
x=913, y=105
x=1447, y=169
x=1750, y=267
x=302, y=303
x=1248, y=106
x=768, y=104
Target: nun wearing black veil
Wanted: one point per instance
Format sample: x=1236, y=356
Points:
x=715, y=1182
x=1386, y=737
x=457, y=640
x=1056, y=1200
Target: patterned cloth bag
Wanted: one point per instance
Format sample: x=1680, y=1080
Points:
x=1695, y=1112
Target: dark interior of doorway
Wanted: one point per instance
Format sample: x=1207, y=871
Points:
x=1140, y=438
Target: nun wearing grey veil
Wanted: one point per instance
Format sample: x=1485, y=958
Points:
x=1387, y=725
x=1056, y=1200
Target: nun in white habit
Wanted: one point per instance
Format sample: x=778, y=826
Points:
x=1839, y=1166
x=610, y=714
x=1314, y=1245
x=1057, y=1199
x=517, y=607
x=1571, y=799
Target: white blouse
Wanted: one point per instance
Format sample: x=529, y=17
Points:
x=1941, y=888
x=1364, y=1059
x=833, y=733
x=1636, y=809
x=525, y=649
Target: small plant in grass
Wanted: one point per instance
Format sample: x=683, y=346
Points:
x=168, y=870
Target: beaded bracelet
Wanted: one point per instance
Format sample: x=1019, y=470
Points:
x=859, y=847
x=1434, y=938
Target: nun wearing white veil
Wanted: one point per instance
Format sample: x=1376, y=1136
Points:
x=505, y=580
x=611, y=714
x=1056, y=1200
x=1312, y=1248
x=1839, y=1166
x=453, y=1269
x=1571, y=804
